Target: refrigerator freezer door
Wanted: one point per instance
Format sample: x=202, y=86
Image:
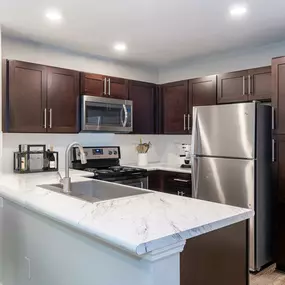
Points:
x=224, y=130
x=226, y=181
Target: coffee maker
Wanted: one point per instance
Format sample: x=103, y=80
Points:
x=187, y=159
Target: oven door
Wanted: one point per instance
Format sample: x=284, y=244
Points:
x=139, y=182
x=106, y=115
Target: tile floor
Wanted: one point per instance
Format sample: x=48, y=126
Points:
x=268, y=276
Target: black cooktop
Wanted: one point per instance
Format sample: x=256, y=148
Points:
x=117, y=173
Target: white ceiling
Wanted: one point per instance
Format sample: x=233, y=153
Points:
x=157, y=32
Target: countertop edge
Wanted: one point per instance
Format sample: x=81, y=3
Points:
x=157, y=244
x=162, y=167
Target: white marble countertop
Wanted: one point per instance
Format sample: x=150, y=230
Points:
x=162, y=166
x=138, y=224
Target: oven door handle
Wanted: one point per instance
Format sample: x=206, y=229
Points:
x=126, y=116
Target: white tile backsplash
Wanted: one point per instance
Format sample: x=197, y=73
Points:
x=165, y=148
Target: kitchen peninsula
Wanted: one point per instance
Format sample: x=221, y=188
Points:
x=51, y=238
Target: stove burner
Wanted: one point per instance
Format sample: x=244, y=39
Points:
x=115, y=168
x=117, y=173
x=90, y=169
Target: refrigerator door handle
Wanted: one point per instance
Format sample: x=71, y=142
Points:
x=195, y=176
x=273, y=150
x=194, y=132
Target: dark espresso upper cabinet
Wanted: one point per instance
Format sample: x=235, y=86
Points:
x=245, y=85
x=278, y=94
x=232, y=87
x=26, y=100
x=175, y=107
x=260, y=83
x=143, y=97
x=63, y=100
x=117, y=88
x=41, y=99
x=203, y=91
x=92, y=84
x=101, y=85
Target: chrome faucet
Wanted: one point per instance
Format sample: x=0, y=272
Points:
x=66, y=181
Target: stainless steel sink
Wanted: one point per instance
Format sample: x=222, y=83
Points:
x=95, y=191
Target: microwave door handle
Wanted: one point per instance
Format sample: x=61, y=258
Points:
x=121, y=116
x=126, y=115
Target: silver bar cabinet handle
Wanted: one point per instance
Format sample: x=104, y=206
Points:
x=50, y=118
x=184, y=118
x=243, y=85
x=105, y=87
x=181, y=180
x=273, y=150
x=45, y=118
x=273, y=119
x=249, y=85
x=109, y=86
x=188, y=117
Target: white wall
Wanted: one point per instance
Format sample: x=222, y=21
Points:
x=43, y=54
x=224, y=62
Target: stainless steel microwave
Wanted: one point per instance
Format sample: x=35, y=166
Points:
x=106, y=115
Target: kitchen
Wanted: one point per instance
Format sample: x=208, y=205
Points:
x=162, y=99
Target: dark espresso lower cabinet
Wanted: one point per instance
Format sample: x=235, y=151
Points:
x=170, y=182
x=216, y=258
x=280, y=237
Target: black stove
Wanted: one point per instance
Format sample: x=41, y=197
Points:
x=104, y=162
x=114, y=173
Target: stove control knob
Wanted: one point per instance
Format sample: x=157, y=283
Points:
x=115, y=152
x=110, y=152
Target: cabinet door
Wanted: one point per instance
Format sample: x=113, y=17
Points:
x=203, y=91
x=177, y=183
x=143, y=97
x=175, y=107
x=63, y=100
x=278, y=94
x=26, y=99
x=279, y=206
x=233, y=87
x=117, y=88
x=279, y=153
x=93, y=84
x=280, y=236
x=260, y=83
x=155, y=180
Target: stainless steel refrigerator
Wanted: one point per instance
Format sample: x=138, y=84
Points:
x=231, y=164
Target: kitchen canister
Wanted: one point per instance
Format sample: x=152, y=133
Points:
x=142, y=159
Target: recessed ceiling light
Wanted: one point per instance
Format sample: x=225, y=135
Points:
x=54, y=15
x=238, y=11
x=120, y=47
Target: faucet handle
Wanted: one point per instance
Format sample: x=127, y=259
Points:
x=60, y=177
